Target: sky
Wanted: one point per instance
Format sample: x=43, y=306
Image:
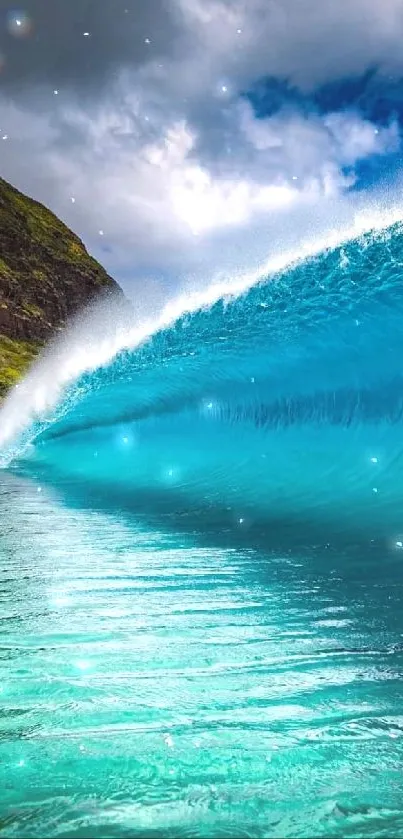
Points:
x=187, y=138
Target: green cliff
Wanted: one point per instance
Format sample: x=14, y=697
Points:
x=46, y=276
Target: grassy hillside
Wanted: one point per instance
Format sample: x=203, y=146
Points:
x=46, y=276
x=15, y=358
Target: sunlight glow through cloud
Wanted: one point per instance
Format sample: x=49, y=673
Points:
x=169, y=156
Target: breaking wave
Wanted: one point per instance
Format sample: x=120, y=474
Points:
x=261, y=405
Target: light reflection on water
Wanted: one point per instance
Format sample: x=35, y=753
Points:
x=154, y=686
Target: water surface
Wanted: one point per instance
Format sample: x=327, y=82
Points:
x=201, y=548
x=153, y=685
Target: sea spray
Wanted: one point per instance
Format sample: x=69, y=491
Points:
x=261, y=412
x=103, y=331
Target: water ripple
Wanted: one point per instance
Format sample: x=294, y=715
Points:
x=153, y=686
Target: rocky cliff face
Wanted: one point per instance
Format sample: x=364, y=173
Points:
x=46, y=276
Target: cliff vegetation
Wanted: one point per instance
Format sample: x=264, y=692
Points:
x=46, y=276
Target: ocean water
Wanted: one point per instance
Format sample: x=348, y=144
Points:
x=201, y=554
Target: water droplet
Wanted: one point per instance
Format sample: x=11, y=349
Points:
x=19, y=24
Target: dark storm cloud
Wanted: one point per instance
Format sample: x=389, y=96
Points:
x=49, y=44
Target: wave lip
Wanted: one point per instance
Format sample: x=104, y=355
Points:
x=280, y=402
x=105, y=330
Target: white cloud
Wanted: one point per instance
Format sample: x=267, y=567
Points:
x=355, y=138
x=175, y=168
x=146, y=186
x=308, y=41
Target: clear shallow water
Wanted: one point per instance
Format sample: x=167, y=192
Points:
x=154, y=686
x=201, y=551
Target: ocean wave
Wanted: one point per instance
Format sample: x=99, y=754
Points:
x=269, y=400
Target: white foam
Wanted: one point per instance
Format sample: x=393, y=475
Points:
x=98, y=336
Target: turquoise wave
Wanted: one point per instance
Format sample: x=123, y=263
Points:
x=276, y=412
x=166, y=667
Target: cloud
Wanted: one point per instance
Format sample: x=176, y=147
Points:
x=152, y=152
x=80, y=43
x=308, y=41
x=150, y=190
